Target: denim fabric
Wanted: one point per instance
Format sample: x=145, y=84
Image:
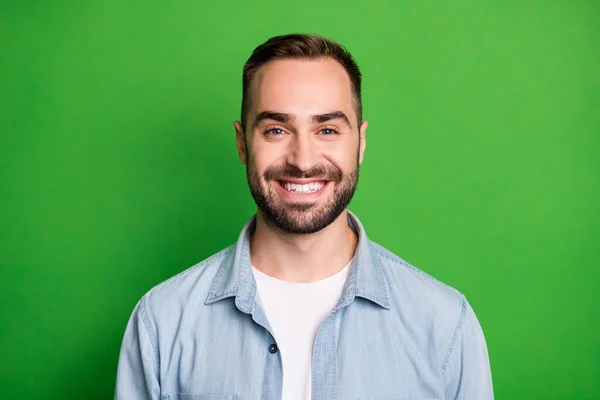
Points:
x=396, y=333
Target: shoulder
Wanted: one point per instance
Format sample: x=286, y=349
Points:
x=188, y=289
x=414, y=282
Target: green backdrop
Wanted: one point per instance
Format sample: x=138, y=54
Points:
x=118, y=169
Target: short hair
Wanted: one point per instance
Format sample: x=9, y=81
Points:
x=299, y=46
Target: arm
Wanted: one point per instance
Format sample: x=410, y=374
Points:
x=466, y=366
x=137, y=376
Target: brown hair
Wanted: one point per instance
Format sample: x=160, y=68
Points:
x=299, y=46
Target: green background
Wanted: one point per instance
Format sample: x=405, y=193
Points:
x=118, y=169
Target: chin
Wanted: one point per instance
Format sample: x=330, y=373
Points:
x=301, y=222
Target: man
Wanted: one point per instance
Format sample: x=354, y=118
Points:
x=303, y=305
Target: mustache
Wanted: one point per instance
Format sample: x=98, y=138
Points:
x=326, y=173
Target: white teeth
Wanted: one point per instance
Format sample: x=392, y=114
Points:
x=306, y=188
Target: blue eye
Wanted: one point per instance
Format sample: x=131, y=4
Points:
x=275, y=132
x=328, y=131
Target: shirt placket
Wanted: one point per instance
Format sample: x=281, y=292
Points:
x=324, y=361
x=272, y=384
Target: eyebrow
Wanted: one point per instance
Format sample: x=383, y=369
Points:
x=275, y=116
x=317, y=119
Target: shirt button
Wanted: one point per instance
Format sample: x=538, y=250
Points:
x=273, y=348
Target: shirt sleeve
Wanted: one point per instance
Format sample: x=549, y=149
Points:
x=137, y=376
x=466, y=367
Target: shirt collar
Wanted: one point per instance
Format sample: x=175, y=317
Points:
x=234, y=276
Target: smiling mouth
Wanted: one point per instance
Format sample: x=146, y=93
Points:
x=309, y=187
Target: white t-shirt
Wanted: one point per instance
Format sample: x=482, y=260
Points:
x=295, y=311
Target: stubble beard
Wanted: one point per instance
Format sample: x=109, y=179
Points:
x=307, y=217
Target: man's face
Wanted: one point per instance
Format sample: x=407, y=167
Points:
x=302, y=146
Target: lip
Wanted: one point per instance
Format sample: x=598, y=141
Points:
x=302, y=181
x=302, y=196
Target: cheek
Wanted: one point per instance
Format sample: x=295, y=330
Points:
x=343, y=156
x=266, y=153
x=261, y=158
x=260, y=163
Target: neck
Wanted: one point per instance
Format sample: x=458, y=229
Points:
x=302, y=258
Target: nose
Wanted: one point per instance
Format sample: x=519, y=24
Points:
x=303, y=152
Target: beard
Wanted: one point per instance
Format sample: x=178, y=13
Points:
x=301, y=218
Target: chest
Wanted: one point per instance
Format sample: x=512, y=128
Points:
x=358, y=352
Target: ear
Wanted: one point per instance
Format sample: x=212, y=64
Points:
x=240, y=141
x=362, y=141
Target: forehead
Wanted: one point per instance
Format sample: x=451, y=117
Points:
x=303, y=87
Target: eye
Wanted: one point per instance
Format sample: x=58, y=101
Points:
x=328, y=131
x=274, y=132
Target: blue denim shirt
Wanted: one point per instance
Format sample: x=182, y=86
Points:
x=396, y=333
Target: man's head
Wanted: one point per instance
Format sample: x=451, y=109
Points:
x=302, y=137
